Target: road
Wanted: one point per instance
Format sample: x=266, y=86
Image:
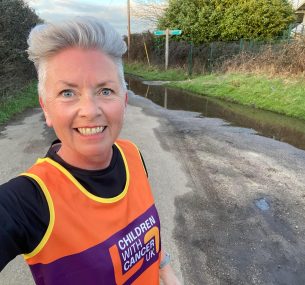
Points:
x=231, y=202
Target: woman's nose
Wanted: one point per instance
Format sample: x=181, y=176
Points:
x=89, y=106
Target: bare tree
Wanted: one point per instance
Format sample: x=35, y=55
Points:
x=148, y=10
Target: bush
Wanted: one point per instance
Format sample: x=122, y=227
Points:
x=287, y=58
x=16, y=21
x=227, y=20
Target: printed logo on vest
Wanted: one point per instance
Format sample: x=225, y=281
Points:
x=136, y=250
x=120, y=259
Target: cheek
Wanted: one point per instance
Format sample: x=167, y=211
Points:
x=120, y=111
x=115, y=114
x=56, y=116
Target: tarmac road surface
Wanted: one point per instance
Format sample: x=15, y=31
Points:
x=231, y=202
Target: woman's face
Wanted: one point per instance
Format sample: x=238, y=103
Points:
x=85, y=105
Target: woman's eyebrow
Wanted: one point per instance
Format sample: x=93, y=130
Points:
x=102, y=84
x=75, y=85
x=68, y=83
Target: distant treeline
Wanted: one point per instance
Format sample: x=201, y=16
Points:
x=16, y=21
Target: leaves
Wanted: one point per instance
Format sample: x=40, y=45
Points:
x=218, y=20
x=16, y=21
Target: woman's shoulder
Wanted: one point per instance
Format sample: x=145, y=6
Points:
x=19, y=187
x=129, y=144
x=123, y=143
x=23, y=212
x=23, y=196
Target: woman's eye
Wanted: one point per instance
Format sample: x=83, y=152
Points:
x=106, y=92
x=67, y=93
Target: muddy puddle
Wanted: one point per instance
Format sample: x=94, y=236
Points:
x=265, y=123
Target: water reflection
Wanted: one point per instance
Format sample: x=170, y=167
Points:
x=266, y=123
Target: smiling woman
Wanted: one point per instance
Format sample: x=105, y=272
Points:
x=91, y=190
x=84, y=103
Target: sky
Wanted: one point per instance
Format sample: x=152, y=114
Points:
x=113, y=11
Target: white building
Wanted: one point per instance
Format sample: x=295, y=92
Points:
x=299, y=6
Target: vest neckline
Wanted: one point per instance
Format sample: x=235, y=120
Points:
x=81, y=188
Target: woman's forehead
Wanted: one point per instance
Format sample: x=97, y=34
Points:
x=74, y=64
x=77, y=54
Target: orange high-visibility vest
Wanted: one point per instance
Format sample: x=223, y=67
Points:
x=92, y=240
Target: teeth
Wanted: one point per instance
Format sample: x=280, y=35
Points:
x=91, y=131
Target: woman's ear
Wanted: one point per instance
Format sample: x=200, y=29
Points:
x=126, y=98
x=125, y=102
x=45, y=112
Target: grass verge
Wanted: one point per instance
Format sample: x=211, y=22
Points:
x=283, y=96
x=154, y=73
x=18, y=102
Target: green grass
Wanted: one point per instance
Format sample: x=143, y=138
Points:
x=272, y=94
x=18, y=102
x=154, y=73
x=283, y=96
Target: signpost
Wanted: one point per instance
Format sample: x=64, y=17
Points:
x=171, y=32
x=167, y=33
x=175, y=32
x=159, y=33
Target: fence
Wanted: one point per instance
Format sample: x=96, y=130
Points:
x=210, y=57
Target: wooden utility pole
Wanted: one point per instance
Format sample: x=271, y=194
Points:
x=166, y=47
x=167, y=33
x=128, y=37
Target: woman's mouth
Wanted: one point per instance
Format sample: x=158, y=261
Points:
x=91, y=131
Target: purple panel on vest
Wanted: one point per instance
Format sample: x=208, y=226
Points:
x=135, y=243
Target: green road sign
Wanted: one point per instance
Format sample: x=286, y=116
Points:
x=159, y=33
x=175, y=32
x=170, y=32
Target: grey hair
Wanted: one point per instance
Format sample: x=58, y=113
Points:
x=45, y=40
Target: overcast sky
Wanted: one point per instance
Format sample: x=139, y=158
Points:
x=113, y=11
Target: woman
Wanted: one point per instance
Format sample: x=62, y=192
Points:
x=84, y=214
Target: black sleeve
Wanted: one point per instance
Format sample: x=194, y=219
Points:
x=24, y=218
